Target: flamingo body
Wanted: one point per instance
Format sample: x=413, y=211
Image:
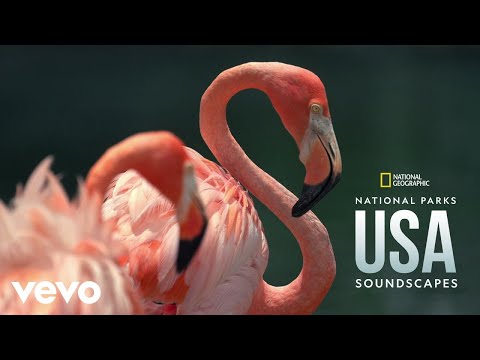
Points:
x=223, y=277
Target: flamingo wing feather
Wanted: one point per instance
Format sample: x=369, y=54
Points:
x=234, y=255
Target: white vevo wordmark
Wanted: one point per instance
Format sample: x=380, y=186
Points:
x=45, y=291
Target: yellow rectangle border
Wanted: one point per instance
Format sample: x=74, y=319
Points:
x=389, y=174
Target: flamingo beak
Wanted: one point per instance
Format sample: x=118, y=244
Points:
x=192, y=220
x=326, y=144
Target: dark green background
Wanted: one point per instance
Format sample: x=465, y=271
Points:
x=395, y=108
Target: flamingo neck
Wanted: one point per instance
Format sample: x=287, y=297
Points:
x=152, y=154
x=304, y=294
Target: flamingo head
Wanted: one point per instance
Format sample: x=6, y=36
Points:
x=299, y=97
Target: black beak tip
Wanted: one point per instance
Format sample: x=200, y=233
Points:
x=183, y=261
x=299, y=210
x=308, y=198
x=188, y=248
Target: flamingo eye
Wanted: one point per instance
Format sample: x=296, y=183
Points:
x=316, y=108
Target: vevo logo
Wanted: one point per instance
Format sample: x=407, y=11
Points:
x=46, y=292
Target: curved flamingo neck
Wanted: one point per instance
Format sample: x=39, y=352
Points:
x=306, y=292
x=152, y=154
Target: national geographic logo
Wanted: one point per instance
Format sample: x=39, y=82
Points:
x=388, y=180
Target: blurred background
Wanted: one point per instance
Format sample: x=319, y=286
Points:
x=412, y=109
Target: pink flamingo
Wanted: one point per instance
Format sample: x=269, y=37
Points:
x=161, y=160
x=225, y=276
x=44, y=236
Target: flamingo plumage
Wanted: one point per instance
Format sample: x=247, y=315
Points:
x=46, y=237
x=226, y=274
